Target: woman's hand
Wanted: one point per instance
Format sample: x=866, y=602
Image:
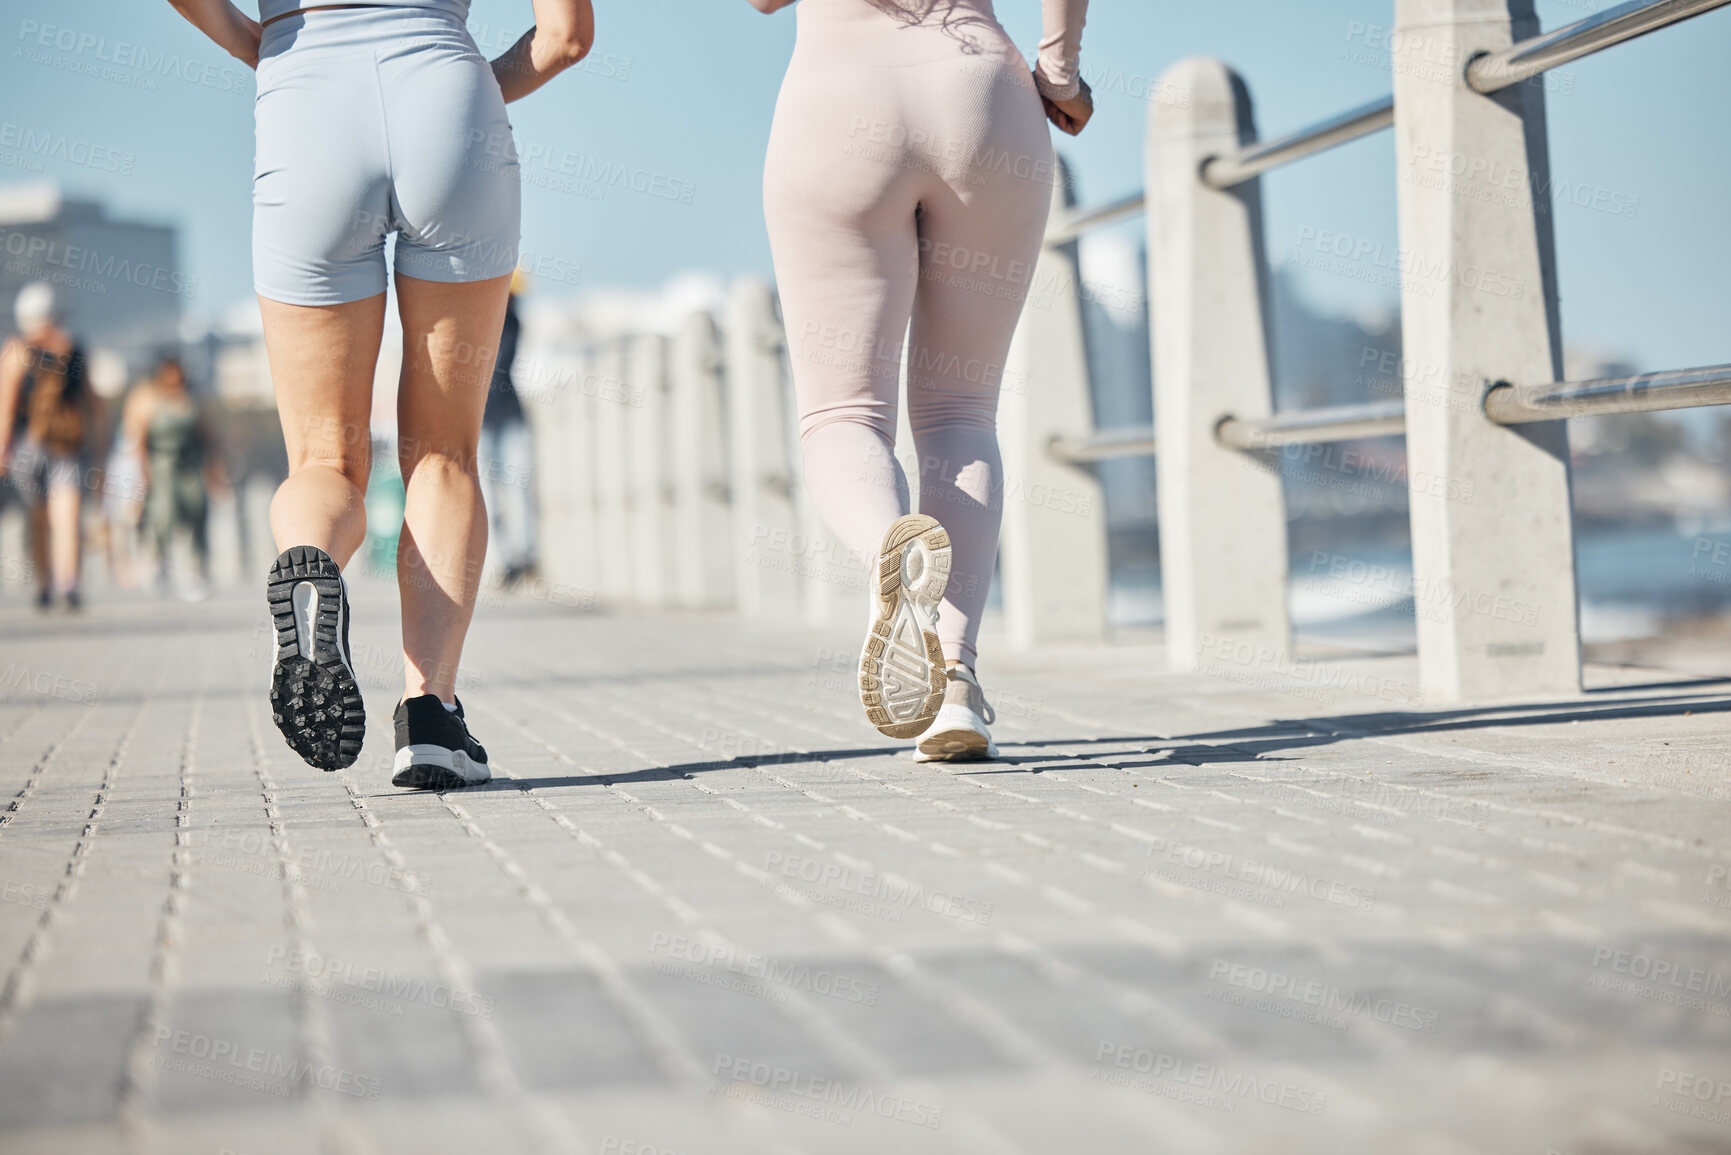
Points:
x=231, y=29
x=1071, y=115
x=563, y=34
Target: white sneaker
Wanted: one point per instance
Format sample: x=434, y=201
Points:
x=959, y=733
x=901, y=666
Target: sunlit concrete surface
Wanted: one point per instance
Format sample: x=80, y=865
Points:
x=705, y=908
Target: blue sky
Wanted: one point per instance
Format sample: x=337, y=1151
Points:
x=684, y=90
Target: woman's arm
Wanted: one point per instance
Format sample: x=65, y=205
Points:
x=12, y=368
x=768, y=6
x=1058, y=75
x=232, y=30
x=563, y=34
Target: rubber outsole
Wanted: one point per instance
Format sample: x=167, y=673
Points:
x=423, y=777
x=314, y=701
x=957, y=745
x=421, y=768
x=901, y=670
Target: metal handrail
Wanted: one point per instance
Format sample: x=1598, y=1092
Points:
x=1334, y=423
x=1232, y=168
x=1497, y=70
x=1074, y=225
x=1104, y=445
x=1228, y=169
x=1504, y=403
x=1508, y=404
x=1486, y=73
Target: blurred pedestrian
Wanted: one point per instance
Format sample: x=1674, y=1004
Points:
x=47, y=414
x=507, y=455
x=172, y=439
x=123, y=495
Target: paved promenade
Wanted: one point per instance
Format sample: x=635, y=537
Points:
x=704, y=908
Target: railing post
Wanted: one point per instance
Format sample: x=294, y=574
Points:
x=764, y=519
x=1492, y=543
x=703, y=575
x=561, y=414
x=1052, y=554
x=612, y=526
x=649, y=488
x=1222, y=514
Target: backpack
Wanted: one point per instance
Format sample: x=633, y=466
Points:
x=53, y=399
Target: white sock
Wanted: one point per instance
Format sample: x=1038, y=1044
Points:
x=451, y=706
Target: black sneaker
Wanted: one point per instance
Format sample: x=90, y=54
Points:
x=435, y=750
x=314, y=699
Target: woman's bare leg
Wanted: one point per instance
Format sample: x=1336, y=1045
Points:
x=450, y=335
x=64, y=504
x=322, y=359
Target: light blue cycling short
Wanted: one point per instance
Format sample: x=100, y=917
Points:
x=372, y=121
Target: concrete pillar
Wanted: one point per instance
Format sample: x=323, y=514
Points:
x=561, y=417
x=703, y=567
x=761, y=465
x=649, y=487
x=1492, y=542
x=611, y=399
x=1222, y=518
x=258, y=545
x=1052, y=552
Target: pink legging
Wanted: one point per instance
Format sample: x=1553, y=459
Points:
x=909, y=175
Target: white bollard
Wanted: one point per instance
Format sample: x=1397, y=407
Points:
x=703, y=565
x=649, y=487
x=610, y=400
x=1492, y=542
x=1052, y=553
x=560, y=416
x=1222, y=515
x=258, y=544
x=761, y=466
